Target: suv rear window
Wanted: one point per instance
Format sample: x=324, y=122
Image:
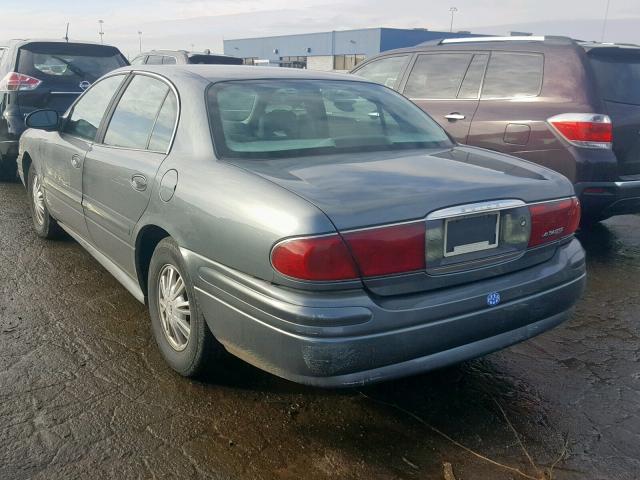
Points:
x=72, y=63
x=214, y=60
x=513, y=75
x=617, y=74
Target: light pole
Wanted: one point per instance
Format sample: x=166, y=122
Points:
x=101, y=31
x=140, y=39
x=453, y=10
x=604, y=21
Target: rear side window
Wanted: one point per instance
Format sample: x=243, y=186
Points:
x=385, y=71
x=68, y=63
x=163, y=128
x=617, y=75
x=437, y=75
x=169, y=60
x=136, y=113
x=87, y=114
x=470, y=88
x=513, y=75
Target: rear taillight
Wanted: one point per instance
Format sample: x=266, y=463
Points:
x=367, y=253
x=584, y=129
x=14, y=81
x=389, y=250
x=551, y=221
x=322, y=258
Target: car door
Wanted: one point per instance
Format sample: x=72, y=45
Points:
x=63, y=156
x=120, y=169
x=447, y=87
x=387, y=70
x=510, y=118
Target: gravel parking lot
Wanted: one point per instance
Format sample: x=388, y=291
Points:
x=85, y=394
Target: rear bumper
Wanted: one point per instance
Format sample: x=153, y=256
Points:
x=601, y=200
x=350, y=338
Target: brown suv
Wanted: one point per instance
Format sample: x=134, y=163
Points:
x=568, y=105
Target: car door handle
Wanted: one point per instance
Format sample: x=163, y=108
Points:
x=75, y=160
x=455, y=116
x=139, y=182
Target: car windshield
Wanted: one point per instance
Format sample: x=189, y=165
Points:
x=280, y=118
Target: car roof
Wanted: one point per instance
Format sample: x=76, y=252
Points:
x=522, y=43
x=20, y=42
x=184, y=52
x=217, y=73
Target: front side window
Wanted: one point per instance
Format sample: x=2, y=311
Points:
x=437, y=76
x=513, y=75
x=134, y=117
x=169, y=60
x=385, y=71
x=275, y=119
x=87, y=114
x=139, y=60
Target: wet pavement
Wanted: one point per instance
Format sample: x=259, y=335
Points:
x=85, y=394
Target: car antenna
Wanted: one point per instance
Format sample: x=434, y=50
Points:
x=66, y=35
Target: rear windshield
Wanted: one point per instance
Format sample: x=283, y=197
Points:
x=214, y=60
x=618, y=75
x=60, y=62
x=279, y=118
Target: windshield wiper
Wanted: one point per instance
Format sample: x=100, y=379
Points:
x=70, y=66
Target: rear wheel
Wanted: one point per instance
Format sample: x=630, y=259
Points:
x=180, y=330
x=43, y=223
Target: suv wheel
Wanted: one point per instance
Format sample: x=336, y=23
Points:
x=180, y=330
x=43, y=223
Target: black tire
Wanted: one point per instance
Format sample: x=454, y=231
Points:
x=44, y=224
x=8, y=169
x=201, y=350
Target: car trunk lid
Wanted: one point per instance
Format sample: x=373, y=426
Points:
x=361, y=191
x=617, y=72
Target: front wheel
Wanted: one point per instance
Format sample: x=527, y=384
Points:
x=180, y=331
x=43, y=223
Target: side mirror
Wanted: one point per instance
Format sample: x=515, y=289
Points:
x=43, y=119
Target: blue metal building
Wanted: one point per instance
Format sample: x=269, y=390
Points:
x=339, y=50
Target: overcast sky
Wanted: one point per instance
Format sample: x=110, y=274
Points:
x=204, y=23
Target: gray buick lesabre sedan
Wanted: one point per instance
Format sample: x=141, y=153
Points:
x=316, y=225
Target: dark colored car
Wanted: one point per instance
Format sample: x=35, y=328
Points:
x=570, y=106
x=37, y=74
x=183, y=57
x=317, y=225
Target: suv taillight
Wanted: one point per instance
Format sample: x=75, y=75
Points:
x=584, y=129
x=551, y=221
x=14, y=81
x=370, y=252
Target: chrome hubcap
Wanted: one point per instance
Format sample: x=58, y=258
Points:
x=174, y=307
x=38, y=200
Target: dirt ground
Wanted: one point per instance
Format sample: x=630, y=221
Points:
x=85, y=394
